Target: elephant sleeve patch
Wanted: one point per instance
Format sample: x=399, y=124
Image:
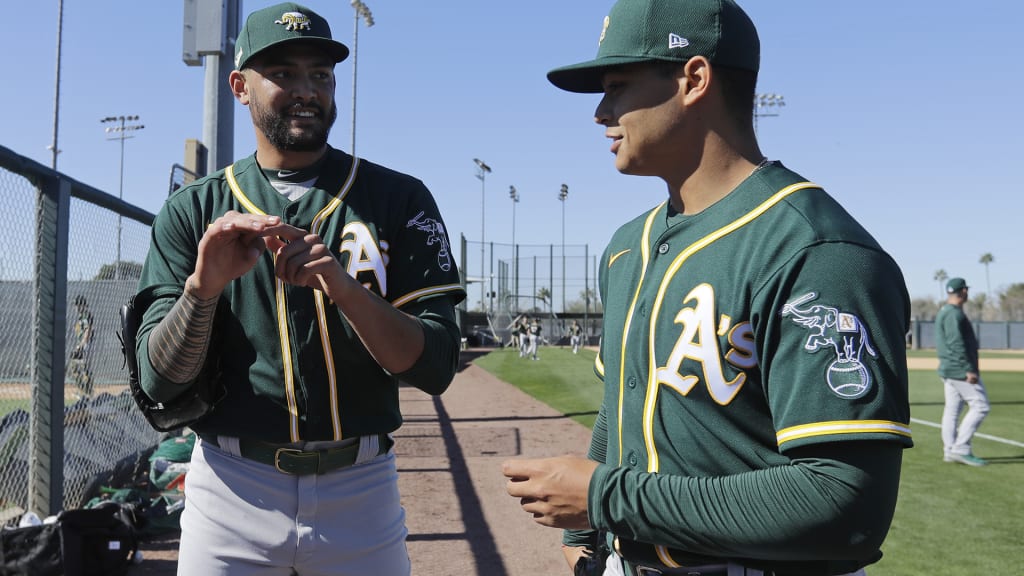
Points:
x=843, y=334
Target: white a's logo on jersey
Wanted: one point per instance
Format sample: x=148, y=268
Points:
x=435, y=235
x=699, y=340
x=841, y=332
x=364, y=256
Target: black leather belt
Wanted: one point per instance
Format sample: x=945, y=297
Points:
x=299, y=462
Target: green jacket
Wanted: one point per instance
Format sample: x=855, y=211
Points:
x=955, y=343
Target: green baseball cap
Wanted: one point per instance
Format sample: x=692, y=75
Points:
x=282, y=23
x=667, y=30
x=955, y=285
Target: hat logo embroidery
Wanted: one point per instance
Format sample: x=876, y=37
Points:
x=604, y=30
x=677, y=41
x=294, y=21
x=238, y=57
x=845, y=334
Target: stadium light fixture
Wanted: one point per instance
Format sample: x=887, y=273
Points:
x=767, y=105
x=361, y=11
x=482, y=169
x=562, y=195
x=121, y=129
x=514, y=195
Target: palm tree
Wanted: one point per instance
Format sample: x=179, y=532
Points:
x=544, y=295
x=987, y=259
x=941, y=277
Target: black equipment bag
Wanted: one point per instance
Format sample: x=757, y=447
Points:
x=97, y=541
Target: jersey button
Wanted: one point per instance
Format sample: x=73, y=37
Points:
x=632, y=459
x=632, y=382
x=663, y=249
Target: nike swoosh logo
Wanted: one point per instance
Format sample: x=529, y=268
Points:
x=614, y=257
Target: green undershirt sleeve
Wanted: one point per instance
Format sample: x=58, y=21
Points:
x=596, y=452
x=833, y=501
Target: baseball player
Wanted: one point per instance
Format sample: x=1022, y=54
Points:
x=311, y=282
x=523, y=327
x=82, y=331
x=533, y=336
x=755, y=408
x=957, y=348
x=575, y=335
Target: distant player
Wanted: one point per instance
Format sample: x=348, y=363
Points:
x=575, y=335
x=312, y=283
x=82, y=331
x=534, y=336
x=523, y=328
x=755, y=409
x=957, y=347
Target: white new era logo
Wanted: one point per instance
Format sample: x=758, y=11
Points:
x=677, y=41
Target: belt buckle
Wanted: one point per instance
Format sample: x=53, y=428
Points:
x=295, y=452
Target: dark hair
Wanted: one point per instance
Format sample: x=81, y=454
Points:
x=737, y=89
x=80, y=300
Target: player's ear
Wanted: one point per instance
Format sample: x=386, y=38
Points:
x=695, y=79
x=239, y=87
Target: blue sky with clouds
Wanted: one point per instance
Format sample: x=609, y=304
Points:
x=910, y=113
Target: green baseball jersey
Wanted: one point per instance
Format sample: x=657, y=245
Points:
x=293, y=366
x=767, y=322
x=955, y=343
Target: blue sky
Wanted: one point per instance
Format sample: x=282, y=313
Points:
x=910, y=113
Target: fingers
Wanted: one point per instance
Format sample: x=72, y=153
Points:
x=233, y=223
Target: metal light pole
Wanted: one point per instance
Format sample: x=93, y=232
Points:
x=120, y=131
x=56, y=91
x=768, y=103
x=363, y=11
x=482, y=169
x=562, y=195
x=514, y=195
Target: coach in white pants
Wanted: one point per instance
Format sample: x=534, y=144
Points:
x=957, y=347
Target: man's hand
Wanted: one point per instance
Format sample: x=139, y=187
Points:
x=972, y=377
x=554, y=490
x=303, y=259
x=228, y=249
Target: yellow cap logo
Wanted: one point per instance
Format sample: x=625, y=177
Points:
x=294, y=21
x=607, y=20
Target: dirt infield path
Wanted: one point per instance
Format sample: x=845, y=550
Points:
x=449, y=454
x=450, y=450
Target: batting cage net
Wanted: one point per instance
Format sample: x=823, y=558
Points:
x=68, y=424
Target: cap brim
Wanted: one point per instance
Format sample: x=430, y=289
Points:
x=336, y=50
x=586, y=77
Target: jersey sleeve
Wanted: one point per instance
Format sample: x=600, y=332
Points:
x=421, y=261
x=831, y=328
x=171, y=259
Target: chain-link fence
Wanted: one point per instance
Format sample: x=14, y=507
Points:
x=554, y=283
x=67, y=421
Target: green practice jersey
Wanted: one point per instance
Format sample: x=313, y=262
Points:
x=293, y=366
x=769, y=321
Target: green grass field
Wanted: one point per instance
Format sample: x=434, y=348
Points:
x=951, y=519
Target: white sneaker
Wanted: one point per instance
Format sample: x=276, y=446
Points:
x=968, y=459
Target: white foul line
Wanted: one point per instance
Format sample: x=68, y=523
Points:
x=978, y=434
